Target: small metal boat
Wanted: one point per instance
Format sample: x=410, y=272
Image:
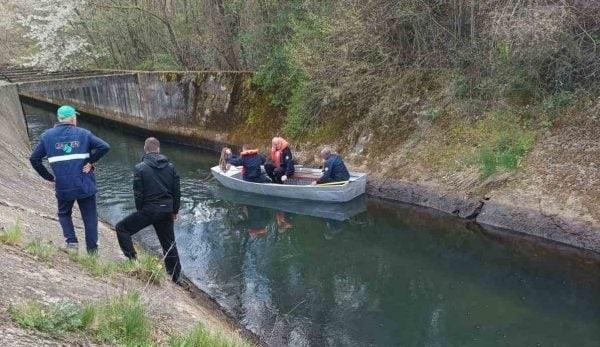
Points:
x=297, y=188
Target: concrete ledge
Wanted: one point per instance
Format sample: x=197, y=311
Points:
x=534, y=222
x=416, y=194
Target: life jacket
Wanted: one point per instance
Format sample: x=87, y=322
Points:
x=247, y=153
x=255, y=232
x=276, y=151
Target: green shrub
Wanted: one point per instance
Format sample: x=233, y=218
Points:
x=55, y=319
x=146, y=267
x=12, y=236
x=299, y=112
x=284, y=75
x=40, y=250
x=159, y=62
x=94, y=264
x=200, y=337
x=521, y=87
x=433, y=113
x=122, y=321
x=460, y=86
x=504, y=153
x=555, y=102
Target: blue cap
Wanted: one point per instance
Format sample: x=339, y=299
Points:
x=65, y=112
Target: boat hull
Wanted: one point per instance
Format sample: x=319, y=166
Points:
x=339, y=211
x=331, y=193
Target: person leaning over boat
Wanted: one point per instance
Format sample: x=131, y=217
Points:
x=281, y=165
x=250, y=160
x=72, y=153
x=157, y=193
x=334, y=169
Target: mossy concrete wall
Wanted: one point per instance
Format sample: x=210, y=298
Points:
x=192, y=105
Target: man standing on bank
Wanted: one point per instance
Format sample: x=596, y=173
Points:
x=72, y=153
x=156, y=189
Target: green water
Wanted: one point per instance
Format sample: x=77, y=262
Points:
x=393, y=275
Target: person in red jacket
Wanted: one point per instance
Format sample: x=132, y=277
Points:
x=281, y=165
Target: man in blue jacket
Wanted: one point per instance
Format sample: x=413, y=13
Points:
x=72, y=153
x=334, y=169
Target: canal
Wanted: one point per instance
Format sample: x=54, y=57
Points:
x=372, y=274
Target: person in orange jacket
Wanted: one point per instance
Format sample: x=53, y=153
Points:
x=281, y=166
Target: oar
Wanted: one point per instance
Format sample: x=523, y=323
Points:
x=332, y=183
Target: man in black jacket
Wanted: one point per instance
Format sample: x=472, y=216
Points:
x=156, y=189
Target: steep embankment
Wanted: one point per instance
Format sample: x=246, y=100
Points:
x=517, y=162
x=523, y=164
x=529, y=167
x=27, y=200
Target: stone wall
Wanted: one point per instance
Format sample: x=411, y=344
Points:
x=192, y=105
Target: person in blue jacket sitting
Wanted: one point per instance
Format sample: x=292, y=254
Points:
x=334, y=169
x=72, y=153
x=250, y=160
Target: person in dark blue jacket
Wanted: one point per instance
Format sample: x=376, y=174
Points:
x=250, y=160
x=334, y=169
x=72, y=153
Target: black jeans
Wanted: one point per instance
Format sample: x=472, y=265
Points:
x=163, y=225
x=274, y=173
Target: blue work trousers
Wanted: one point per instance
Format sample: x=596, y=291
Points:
x=89, y=214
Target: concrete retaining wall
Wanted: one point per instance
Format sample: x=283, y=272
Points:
x=13, y=121
x=192, y=104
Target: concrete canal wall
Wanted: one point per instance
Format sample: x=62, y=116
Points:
x=200, y=107
x=11, y=113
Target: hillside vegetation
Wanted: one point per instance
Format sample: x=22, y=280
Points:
x=452, y=85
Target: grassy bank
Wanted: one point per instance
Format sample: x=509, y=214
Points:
x=146, y=267
x=123, y=319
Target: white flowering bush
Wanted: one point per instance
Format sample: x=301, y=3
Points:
x=53, y=25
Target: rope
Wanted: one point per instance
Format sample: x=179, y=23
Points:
x=223, y=160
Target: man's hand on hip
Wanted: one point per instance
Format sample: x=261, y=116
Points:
x=87, y=168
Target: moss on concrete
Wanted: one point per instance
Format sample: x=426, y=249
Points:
x=172, y=76
x=260, y=120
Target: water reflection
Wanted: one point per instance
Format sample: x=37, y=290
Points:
x=327, y=210
x=386, y=275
